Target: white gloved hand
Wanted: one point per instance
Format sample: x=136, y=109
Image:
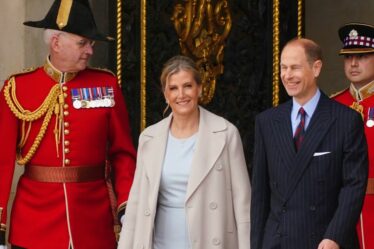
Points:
x=122, y=221
x=3, y=247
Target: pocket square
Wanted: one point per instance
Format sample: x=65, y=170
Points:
x=321, y=153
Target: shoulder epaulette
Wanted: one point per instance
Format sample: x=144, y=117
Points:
x=24, y=71
x=103, y=70
x=337, y=93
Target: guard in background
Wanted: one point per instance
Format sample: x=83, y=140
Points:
x=65, y=123
x=358, y=52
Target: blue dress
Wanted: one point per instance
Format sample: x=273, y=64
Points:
x=171, y=229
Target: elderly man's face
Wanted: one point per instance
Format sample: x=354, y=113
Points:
x=359, y=68
x=74, y=52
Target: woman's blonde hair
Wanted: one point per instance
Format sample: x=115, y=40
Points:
x=175, y=65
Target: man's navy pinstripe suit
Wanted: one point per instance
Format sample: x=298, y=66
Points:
x=300, y=198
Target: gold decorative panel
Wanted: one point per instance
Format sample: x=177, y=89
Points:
x=202, y=27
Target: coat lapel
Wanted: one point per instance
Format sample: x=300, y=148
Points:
x=283, y=134
x=153, y=161
x=315, y=133
x=210, y=143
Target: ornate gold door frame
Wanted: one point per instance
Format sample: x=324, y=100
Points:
x=276, y=49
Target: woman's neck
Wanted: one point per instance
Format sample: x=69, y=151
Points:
x=185, y=126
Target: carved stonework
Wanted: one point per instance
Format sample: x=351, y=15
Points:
x=202, y=27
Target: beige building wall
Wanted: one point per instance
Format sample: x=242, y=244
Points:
x=12, y=39
x=34, y=46
x=322, y=21
x=21, y=47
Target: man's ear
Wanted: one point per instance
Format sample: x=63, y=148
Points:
x=317, y=66
x=55, y=43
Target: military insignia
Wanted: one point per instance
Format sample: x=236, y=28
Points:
x=357, y=107
x=353, y=34
x=370, y=121
x=93, y=97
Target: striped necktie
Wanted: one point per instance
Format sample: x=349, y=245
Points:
x=300, y=130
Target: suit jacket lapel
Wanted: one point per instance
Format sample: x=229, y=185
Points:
x=315, y=133
x=210, y=143
x=283, y=137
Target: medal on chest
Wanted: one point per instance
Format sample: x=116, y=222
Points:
x=370, y=120
x=93, y=97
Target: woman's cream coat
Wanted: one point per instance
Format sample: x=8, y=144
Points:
x=218, y=193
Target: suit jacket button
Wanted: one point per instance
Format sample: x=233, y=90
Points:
x=216, y=241
x=219, y=167
x=147, y=212
x=284, y=210
x=312, y=208
x=213, y=205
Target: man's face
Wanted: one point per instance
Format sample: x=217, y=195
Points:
x=359, y=68
x=298, y=76
x=74, y=51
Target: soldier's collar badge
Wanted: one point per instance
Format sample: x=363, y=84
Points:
x=57, y=75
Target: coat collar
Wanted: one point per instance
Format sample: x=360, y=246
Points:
x=210, y=142
x=362, y=93
x=208, y=121
x=57, y=75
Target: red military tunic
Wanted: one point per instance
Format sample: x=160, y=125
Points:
x=54, y=215
x=362, y=100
